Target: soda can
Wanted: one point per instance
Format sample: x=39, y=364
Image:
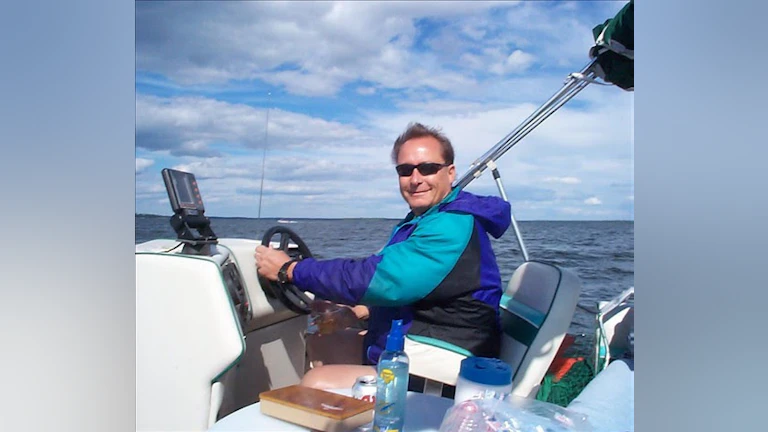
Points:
x=365, y=388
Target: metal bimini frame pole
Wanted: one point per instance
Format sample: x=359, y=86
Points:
x=573, y=85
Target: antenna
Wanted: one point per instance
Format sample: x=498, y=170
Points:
x=264, y=156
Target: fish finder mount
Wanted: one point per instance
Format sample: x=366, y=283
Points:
x=192, y=227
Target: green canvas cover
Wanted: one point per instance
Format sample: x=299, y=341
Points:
x=614, y=48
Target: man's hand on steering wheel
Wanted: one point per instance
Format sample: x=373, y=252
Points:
x=269, y=261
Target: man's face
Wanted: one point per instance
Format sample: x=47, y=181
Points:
x=420, y=191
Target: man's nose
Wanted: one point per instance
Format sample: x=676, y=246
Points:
x=416, y=177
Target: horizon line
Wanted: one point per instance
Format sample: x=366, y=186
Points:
x=385, y=218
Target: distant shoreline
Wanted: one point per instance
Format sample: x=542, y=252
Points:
x=374, y=218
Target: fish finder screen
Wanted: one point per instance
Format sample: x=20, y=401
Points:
x=182, y=190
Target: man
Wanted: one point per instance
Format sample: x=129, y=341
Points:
x=437, y=272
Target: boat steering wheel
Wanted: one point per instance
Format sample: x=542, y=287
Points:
x=289, y=294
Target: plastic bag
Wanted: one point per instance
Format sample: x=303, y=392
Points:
x=508, y=413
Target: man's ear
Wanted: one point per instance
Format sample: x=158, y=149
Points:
x=452, y=172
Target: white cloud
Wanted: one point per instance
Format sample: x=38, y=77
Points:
x=142, y=164
x=593, y=201
x=214, y=168
x=366, y=91
x=563, y=180
x=307, y=83
x=191, y=125
x=518, y=61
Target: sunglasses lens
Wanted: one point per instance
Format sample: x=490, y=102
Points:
x=404, y=170
x=425, y=168
x=429, y=168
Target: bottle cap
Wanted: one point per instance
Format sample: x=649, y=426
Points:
x=485, y=370
x=395, y=339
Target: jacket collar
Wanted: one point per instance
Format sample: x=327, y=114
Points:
x=411, y=218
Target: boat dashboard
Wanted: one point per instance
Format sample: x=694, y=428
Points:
x=255, y=301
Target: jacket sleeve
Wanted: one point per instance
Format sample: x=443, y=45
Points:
x=339, y=280
x=401, y=274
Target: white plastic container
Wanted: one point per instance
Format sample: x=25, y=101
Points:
x=480, y=374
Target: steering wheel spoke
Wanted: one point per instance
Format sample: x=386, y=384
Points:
x=284, y=242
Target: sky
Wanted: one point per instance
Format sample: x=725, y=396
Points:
x=315, y=93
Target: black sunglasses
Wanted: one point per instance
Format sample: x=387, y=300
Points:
x=425, y=168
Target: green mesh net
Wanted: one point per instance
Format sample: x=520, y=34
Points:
x=561, y=392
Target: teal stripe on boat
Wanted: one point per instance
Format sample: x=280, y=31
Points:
x=518, y=328
x=526, y=312
x=519, y=321
x=440, y=344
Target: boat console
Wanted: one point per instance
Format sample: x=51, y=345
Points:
x=210, y=334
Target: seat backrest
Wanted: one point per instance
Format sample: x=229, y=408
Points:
x=187, y=336
x=536, y=312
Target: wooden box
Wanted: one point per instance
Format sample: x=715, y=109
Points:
x=316, y=409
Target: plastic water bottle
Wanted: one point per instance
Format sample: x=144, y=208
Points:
x=392, y=383
x=481, y=374
x=465, y=416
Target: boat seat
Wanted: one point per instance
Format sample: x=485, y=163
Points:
x=536, y=312
x=435, y=360
x=187, y=337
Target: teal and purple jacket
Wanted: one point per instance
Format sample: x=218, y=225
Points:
x=437, y=273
